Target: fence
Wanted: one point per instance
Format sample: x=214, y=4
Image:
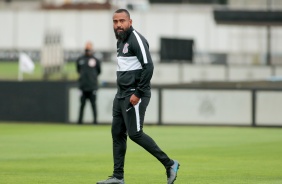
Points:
x=169, y=105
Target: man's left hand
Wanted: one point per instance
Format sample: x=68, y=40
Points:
x=134, y=99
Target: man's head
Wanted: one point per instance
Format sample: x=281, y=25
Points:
x=121, y=23
x=88, y=48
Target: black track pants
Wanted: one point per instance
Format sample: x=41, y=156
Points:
x=91, y=95
x=128, y=120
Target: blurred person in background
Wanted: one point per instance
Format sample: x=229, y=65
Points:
x=134, y=73
x=88, y=68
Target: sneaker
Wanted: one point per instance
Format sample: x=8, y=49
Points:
x=171, y=172
x=111, y=180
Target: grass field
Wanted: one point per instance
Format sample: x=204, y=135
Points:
x=71, y=154
x=9, y=71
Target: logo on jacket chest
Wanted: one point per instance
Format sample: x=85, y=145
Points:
x=125, y=48
x=92, y=62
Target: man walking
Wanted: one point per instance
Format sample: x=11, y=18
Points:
x=134, y=72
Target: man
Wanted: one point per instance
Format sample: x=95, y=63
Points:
x=134, y=72
x=88, y=68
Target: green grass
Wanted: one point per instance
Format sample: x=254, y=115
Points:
x=71, y=154
x=9, y=71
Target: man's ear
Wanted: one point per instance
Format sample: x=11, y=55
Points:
x=130, y=21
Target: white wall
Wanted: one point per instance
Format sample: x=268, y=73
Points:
x=25, y=30
x=249, y=73
x=192, y=73
x=206, y=107
x=177, y=73
x=8, y=35
x=269, y=105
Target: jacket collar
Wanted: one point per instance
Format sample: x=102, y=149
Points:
x=129, y=31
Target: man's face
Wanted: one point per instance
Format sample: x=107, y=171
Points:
x=121, y=23
x=88, y=49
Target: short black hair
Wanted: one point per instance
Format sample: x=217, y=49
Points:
x=123, y=10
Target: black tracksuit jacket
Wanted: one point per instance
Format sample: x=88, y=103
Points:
x=135, y=66
x=89, y=68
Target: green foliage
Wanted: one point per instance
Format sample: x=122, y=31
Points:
x=72, y=154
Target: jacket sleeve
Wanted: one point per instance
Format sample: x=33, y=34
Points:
x=141, y=49
x=77, y=65
x=99, y=70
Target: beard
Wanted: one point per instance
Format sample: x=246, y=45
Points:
x=122, y=35
x=88, y=52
